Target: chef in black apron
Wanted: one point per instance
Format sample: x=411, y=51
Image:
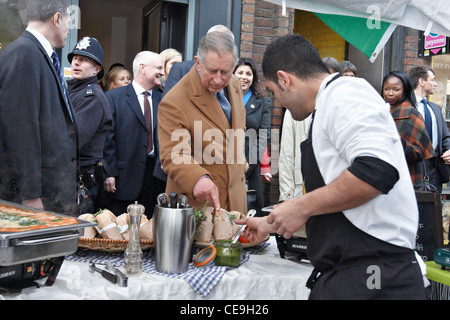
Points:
x=342, y=273
x=366, y=250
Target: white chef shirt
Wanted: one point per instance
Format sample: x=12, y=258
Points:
x=349, y=124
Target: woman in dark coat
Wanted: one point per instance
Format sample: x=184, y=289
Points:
x=257, y=126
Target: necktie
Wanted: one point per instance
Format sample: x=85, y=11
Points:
x=148, y=120
x=61, y=80
x=225, y=104
x=428, y=123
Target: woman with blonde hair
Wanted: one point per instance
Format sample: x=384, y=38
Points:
x=169, y=56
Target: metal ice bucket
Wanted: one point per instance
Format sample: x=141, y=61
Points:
x=174, y=230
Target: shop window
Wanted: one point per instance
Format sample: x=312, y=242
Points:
x=441, y=96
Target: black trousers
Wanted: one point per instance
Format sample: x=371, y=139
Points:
x=435, y=178
x=151, y=188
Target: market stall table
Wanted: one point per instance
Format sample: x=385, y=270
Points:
x=263, y=276
x=440, y=281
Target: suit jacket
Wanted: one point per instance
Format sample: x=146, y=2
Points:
x=443, y=133
x=258, y=118
x=191, y=121
x=443, y=142
x=38, y=139
x=178, y=71
x=126, y=144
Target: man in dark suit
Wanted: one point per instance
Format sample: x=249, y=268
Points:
x=38, y=148
x=131, y=148
x=424, y=83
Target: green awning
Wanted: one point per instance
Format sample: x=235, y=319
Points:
x=368, y=36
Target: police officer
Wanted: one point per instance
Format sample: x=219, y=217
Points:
x=93, y=117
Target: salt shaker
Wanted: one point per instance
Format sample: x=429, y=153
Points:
x=133, y=253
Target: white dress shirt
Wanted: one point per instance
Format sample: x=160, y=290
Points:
x=42, y=40
x=434, y=130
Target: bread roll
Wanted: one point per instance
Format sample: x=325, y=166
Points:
x=222, y=229
x=235, y=216
x=108, y=226
x=89, y=232
x=122, y=222
x=111, y=215
x=146, y=230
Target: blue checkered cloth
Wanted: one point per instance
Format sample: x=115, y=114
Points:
x=202, y=279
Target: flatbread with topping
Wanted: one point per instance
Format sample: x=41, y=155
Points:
x=16, y=220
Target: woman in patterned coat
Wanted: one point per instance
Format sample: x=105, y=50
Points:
x=398, y=92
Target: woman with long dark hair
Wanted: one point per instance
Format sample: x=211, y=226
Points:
x=258, y=120
x=399, y=93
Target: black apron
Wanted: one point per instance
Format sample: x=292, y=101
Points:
x=348, y=262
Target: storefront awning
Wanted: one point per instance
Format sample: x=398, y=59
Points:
x=368, y=37
x=368, y=24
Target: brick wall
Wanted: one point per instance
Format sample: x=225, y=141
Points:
x=262, y=22
x=412, y=58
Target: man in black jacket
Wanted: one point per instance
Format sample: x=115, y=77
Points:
x=38, y=151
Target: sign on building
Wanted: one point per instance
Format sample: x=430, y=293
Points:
x=433, y=44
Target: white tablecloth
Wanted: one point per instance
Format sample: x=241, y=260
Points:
x=264, y=276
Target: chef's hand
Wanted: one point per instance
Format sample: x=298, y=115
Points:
x=257, y=228
x=34, y=203
x=446, y=157
x=287, y=218
x=110, y=184
x=205, y=190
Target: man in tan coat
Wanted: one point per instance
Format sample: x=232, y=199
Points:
x=201, y=149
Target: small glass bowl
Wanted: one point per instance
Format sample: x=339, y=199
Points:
x=228, y=254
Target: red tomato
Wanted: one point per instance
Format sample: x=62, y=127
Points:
x=243, y=240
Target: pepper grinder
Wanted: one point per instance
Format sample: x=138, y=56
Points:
x=133, y=253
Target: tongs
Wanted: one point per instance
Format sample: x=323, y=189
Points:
x=117, y=277
x=251, y=213
x=122, y=279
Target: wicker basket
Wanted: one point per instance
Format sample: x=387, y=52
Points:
x=109, y=245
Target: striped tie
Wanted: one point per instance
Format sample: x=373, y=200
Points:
x=225, y=104
x=61, y=80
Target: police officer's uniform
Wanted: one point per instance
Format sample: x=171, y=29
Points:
x=94, y=121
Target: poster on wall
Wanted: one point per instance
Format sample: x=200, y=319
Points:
x=433, y=44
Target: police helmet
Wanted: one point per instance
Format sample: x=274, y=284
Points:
x=91, y=48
